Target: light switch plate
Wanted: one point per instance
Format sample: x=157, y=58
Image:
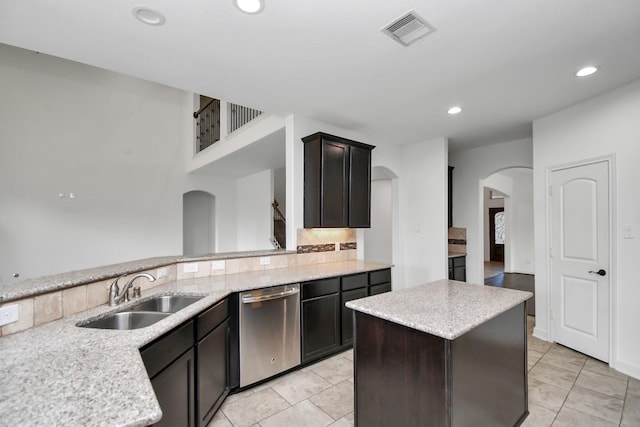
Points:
x=217, y=265
x=628, y=231
x=162, y=272
x=9, y=314
x=265, y=260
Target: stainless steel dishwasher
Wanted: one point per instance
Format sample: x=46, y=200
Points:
x=269, y=332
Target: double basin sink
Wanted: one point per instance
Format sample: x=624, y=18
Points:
x=143, y=314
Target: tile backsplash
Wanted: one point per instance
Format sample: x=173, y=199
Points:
x=457, y=240
x=312, y=240
x=339, y=245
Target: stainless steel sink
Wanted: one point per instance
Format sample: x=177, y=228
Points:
x=143, y=314
x=126, y=320
x=165, y=304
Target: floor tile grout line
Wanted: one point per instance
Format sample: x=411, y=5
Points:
x=334, y=420
x=624, y=402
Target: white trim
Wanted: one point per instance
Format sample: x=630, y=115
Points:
x=610, y=159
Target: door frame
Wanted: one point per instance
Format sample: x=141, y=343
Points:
x=613, y=266
x=492, y=235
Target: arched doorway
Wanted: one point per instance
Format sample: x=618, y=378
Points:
x=508, y=238
x=198, y=223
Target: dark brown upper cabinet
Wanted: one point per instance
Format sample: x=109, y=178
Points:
x=337, y=182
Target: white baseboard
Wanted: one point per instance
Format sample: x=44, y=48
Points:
x=540, y=334
x=627, y=368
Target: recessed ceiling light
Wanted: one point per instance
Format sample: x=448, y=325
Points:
x=454, y=110
x=148, y=16
x=249, y=6
x=586, y=71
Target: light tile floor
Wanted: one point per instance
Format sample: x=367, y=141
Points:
x=566, y=388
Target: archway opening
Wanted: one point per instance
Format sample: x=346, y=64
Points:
x=198, y=223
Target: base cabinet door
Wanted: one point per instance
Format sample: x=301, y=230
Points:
x=212, y=359
x=175, y=391
x=320, y=326
x=347, y=313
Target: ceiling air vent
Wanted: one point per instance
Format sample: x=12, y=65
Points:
x=408, y=28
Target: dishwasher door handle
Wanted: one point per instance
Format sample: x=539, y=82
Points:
x=248, y=299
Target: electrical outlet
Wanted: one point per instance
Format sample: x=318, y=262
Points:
x=190, y=268
x=162, y=272
x=265, y=260
x=217, y=265
x=9, y=314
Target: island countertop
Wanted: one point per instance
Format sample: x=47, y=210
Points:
x=444, y=308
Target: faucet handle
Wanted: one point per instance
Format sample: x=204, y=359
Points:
x=137, y=291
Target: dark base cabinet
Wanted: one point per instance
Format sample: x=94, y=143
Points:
x=352, y=287
x=175, y=391
x=458, y=268
x=170, y=362
x=379, y=281
x=406, y=377
x=320, y=311
x=190, y=367
x=320, y=327
x=212, y=360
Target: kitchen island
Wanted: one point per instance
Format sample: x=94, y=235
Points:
x=446, y=353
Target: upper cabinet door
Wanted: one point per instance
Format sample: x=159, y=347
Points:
x=334, y=195
x=337, y=182
x=360, y=188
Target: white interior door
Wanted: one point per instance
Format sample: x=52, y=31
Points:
x=580, y=227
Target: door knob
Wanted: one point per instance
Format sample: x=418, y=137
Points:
x=600, y=272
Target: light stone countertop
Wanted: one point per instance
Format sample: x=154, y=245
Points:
x=59, y=374
x=445, y=308
x=456, y=254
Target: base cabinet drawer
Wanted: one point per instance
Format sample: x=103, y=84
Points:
x=380, y=289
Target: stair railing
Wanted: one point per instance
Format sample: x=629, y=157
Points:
x=279, y=227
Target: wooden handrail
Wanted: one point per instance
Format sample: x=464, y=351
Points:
x=275, y=205
x=197, y=113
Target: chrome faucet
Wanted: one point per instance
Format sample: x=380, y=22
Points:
x=115, y=297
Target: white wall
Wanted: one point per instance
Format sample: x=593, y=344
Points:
x=605, y=125
x=523, y=247
x=423, y=212
x=471, y=167
x=255, y=222
x=115, y=141
x=378, y=238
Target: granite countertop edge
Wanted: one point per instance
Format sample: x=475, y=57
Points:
x=39, y=285
x=444, y=308
x=61, y=374
x=456, y=254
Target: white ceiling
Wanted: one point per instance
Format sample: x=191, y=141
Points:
x=505, y=62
